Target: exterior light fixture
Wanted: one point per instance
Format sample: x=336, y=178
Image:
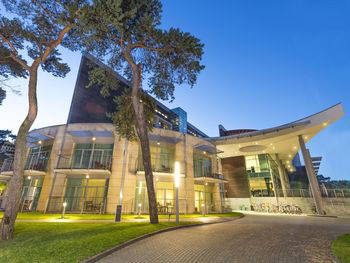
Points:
x=29, y=177
x=158, y=143
x=94, y=138
x=305, y=137
x=157, y=179
x=139, y=209
x=294, y=147
x=206, y=183
x=204, y=152
x=87, y=176
x=290, y=156
x=177, y=185
x=325, y=124
x=64, y=209
x=140, y=188
x=271, y=144
x=40, y=142
x=256, y=143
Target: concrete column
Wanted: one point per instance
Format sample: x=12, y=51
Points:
x=217, y=198
x=116, y=171
x=315, y=189
x=189, y=176
x=281, y=173
x=49, y=178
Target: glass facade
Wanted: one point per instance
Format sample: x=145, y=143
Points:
x=263, y=175
x=92, y=156
x=203, y=198
x=202, y=166
x=31, y=192
x=38, y=158
x=165, y=195
x=162, y=158
x=85, y=195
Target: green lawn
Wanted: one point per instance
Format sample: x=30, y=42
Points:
x=341, y=248
x=41, y=216
x=69, y=242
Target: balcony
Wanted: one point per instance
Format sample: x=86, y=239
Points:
x=159, y=165
x=90, y=161
x=34, y=162
x=210, y=176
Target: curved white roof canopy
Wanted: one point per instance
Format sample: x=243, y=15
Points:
x=281, y=139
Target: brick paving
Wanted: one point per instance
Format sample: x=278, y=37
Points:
x=254, y=238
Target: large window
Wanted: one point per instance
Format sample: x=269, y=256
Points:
x=85, y=195
x=162, y=157
x=263, y=175
x=38, y=158
x=201, y=165
x=93, y=156
x=203, y=198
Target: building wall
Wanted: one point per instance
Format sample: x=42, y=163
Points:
x=55, y=179
x=234, y=171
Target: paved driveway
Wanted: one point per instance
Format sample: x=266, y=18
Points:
x=254, y=238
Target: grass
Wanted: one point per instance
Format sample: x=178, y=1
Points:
x=341, y=248
x=41, y=216
x=69, y=242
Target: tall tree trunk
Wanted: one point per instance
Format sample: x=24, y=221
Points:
x=141, y=129
x=14, y=189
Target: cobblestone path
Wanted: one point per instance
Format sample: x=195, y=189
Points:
x=254, y=238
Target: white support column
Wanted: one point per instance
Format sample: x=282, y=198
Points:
x=282, y=174
x=315, y=189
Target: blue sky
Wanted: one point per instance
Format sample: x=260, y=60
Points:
x=267, y=63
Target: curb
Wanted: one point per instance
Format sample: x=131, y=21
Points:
x=132, y=241
x=329, y=216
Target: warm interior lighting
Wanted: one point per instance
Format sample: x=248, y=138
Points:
x=325, y=124
x=140, y=187
x=177, y=174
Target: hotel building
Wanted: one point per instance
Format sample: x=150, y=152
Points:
x=86, y=164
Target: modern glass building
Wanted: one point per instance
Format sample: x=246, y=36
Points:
x=86, y=164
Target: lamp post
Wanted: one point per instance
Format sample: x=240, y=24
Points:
x=177, y=184
x=64, y=209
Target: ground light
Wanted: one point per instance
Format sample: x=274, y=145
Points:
x=64, y=209
x=177, y=184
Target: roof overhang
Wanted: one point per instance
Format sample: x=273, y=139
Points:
x=282, y=139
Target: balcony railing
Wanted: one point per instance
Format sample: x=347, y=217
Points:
x=159, y=165
x=210, y=175
x=100, y=162
x=35, y=161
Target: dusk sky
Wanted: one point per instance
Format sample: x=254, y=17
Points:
x=267, y=63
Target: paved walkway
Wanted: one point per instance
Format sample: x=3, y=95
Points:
x=254, y=238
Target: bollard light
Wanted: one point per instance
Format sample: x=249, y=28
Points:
x=64, y=209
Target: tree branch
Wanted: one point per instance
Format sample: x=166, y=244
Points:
x=14, y=53
x=55, y=43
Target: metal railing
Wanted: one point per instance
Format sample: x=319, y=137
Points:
x=211, y=175
x=35, y=161
x=335, y=193
x=103, y=162
x=160, y=165
x=77, y=204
